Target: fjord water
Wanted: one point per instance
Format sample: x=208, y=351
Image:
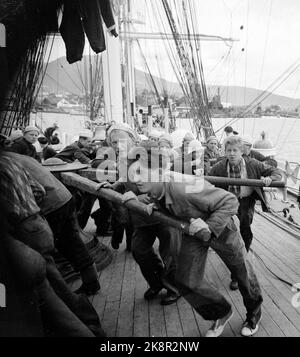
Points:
x=283, y=132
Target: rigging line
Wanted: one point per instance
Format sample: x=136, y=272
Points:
x=236, y=61
x=45, y=69
x=277, y=86
x=80, y=76
x=179, y=73
x=171, y=54
x=150, y=74
x=163, y=89
x=280, y=131
x=264, y=55
x=266, y=43
x=271, y=271
x=179, y=45
x=289, y=133
x=59, y=85
x=156, y=57
x=63, y=68
x=296, y=90
x=263, y=96
x=246, y=60
x=196, y=48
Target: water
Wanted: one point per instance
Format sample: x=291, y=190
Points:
x=69, y=125
x=283, y=132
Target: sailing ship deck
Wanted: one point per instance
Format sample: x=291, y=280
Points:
x=124, y=312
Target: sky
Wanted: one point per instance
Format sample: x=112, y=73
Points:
x=270, y=37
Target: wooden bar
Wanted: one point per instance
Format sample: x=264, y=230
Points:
x=241, y=182
x=82, y=183
x=92, y=175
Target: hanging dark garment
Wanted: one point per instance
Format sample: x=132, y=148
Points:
x=72, y=32
x=92, y=13
x=85, y=16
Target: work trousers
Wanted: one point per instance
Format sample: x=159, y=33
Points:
x=65, y=228
x=157, y=270
x=36, y=233
x=245, y=216
x=193, y=285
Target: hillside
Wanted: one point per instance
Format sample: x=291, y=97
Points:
x=62, y=77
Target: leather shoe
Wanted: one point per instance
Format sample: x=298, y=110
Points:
x=234, y=285
x=115, y=245
x=151, y=293
x=89, y=289
x=170, y=298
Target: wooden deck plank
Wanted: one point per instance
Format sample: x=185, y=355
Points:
x=276, y=267
x=124, y=312
x=230, y=328
x=278, y=316
x=237, y=320
x=111, y=310
x=105, y=277
x=260, y=221
x=204, y=325
x=125, y=319
x=280, y=249
x=141, y=324
x=115, y=288
x=157, y=319
x=235, y=296
x=280, y=243
x=275, y=294
x=110, y=318
x=173, y=321
x=188, y=319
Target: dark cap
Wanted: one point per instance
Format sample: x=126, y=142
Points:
x=228, y=129
x=42, y=140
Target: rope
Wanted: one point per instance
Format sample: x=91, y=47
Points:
x=272, y=272
x=246, y=60
x=264, y=55
x=263, y=96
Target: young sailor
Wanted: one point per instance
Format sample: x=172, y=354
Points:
x=211, y=153
x=24, y=144
x=235, y=165
x=209, y=211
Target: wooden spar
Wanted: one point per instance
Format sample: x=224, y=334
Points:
x=82, y=183
x=92, y=174
x=241, y=182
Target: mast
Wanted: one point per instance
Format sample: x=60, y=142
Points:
x=202, y=120
x=91, y=87
x=112, y=79
x=129, y=70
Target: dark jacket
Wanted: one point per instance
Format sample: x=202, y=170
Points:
x=214, y=205
x=74, y=152
x=260, y=157
x=49, y=132
x=255, y=170
x=210, y=158
x=23, y=147
x=48, y=152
